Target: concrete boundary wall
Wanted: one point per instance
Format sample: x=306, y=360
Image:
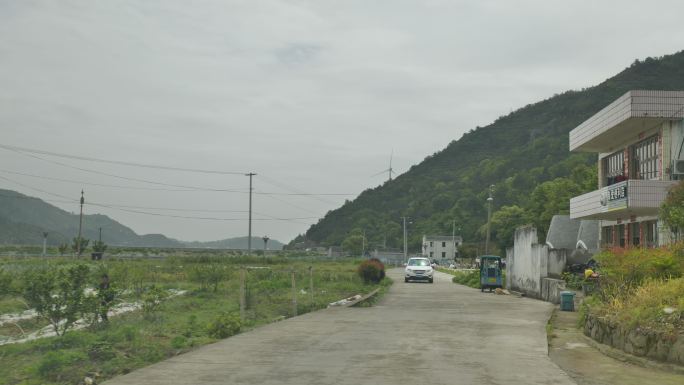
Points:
x=533, y=268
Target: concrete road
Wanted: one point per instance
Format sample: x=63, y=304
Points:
x=439, y=333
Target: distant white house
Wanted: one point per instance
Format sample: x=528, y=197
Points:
x=441, y=247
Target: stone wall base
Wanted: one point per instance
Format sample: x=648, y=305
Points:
x=641, y=343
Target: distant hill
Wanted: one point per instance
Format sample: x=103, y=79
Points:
x=23, y=219
x=238, y=243
x=523, y=154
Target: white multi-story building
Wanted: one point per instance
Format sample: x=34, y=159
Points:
x=441, y=247
x=639, y=139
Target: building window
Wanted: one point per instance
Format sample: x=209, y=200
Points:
x=634, y=233
x=644, y=162
x=620, y=235
x=613, y=168
x=651, y=233
x=607, y=236
x=431, y=254
x=443, y=244
x=430, y=243
x=443, y=254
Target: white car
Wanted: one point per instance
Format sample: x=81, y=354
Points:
x=419, y=269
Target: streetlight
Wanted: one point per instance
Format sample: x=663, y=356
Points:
x=489, y=218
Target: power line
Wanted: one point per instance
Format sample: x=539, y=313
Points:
x=194, y=217
x=162, y=189
x=91, y=183
x=122, y=163
x=123, y=208
x=274, y=182
x=126, y=178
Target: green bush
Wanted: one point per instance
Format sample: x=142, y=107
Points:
x=371, y=271
x=152, y=300
x=627, y=268
x=58, y=295
x=6, y=281
x=470, y=279
x=644, y=307
x=179, y=342
x=56, y=364
x=101, y=351
x=225, y=325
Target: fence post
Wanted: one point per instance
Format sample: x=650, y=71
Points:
x=242, y=293
x=294, y=295
x=311, y=290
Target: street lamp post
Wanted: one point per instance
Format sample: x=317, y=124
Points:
x=489, y=218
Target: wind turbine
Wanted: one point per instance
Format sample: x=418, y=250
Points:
x=390, y=170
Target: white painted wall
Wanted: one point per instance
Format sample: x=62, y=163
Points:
x=526, y=262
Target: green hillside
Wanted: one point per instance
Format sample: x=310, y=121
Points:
x=524, y=155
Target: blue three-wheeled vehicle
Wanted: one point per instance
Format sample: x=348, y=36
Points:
x=490, y=272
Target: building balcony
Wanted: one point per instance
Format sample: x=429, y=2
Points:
x=627, y=117
x=621, y=200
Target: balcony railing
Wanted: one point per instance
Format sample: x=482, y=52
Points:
x=621, y=200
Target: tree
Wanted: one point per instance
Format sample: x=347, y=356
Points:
x=353, y=244
x=75, y=242
x=58, y=295
x=99, y=247
x=63, y=247
x=672, y=209
x=504, y=223
x=551, y=198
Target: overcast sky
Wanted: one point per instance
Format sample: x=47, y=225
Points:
x=312, y=95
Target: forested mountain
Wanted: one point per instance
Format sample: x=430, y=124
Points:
x=524, y=155
x=23, y=219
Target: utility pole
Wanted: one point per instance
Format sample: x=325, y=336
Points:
x=363, y=243
x=405, y=243
x=80, y=225
x=45, y=234
x=453, y=236
x=249, y=231
x=489, y=218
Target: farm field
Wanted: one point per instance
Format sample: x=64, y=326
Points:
x=160, y=308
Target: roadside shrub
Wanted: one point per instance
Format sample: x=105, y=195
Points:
x=208, y=276
x=101, y=351
x=179, y=342
x=627, y=268
x=470, y=279
x=225, y=325
x=56, y=364
x=152, y=301
x=371, y=271
x=645, y=306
